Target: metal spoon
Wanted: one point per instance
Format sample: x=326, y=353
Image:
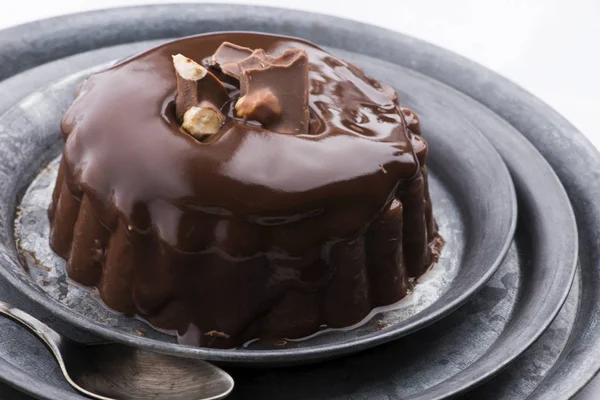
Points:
x=110, y=371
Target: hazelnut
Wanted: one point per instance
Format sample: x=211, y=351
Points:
x=202, y=120
x=188, y=69
x=261, y=106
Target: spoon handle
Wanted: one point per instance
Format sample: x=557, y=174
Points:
x=48, y=335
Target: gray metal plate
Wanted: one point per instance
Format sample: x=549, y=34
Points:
x=468, y=180
x=373, y=382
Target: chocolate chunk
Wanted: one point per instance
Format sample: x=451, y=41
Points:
x=229, y=52
x=227, y=57
x=257, y=60
x=200, y=96
x=286, y=78
x=260, y=60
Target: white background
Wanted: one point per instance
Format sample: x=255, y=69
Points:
x=549, y=47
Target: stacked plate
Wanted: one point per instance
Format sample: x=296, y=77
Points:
x=509, y=311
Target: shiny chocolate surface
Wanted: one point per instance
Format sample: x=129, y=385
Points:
x=252, y=233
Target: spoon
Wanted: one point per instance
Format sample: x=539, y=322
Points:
x=110, y=371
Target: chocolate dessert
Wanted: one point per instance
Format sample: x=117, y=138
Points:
x=236, y=186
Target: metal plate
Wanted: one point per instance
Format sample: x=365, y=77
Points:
x=533, y=269
x=468, y=180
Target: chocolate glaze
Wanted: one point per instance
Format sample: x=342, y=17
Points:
x=253, y=233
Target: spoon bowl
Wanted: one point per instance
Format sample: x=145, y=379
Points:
x=110, y=371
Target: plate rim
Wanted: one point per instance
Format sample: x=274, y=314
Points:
x=497, y=82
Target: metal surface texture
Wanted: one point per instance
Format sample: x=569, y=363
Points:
x=568, y=343
x=109, y=371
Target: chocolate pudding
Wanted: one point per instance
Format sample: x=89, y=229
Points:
x=236, y=186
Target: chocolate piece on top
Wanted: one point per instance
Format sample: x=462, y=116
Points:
x=232, y=63
x=200, y=96
x=257, y=60
x=227, y=57
x=285, y=80
x=229, y=52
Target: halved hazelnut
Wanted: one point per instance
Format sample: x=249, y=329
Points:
x=261, y=106
x=200, y=121
x=188, y=69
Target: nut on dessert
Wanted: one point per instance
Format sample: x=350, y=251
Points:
x=261, y=105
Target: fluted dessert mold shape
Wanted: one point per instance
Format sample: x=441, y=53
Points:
x=255, y=233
